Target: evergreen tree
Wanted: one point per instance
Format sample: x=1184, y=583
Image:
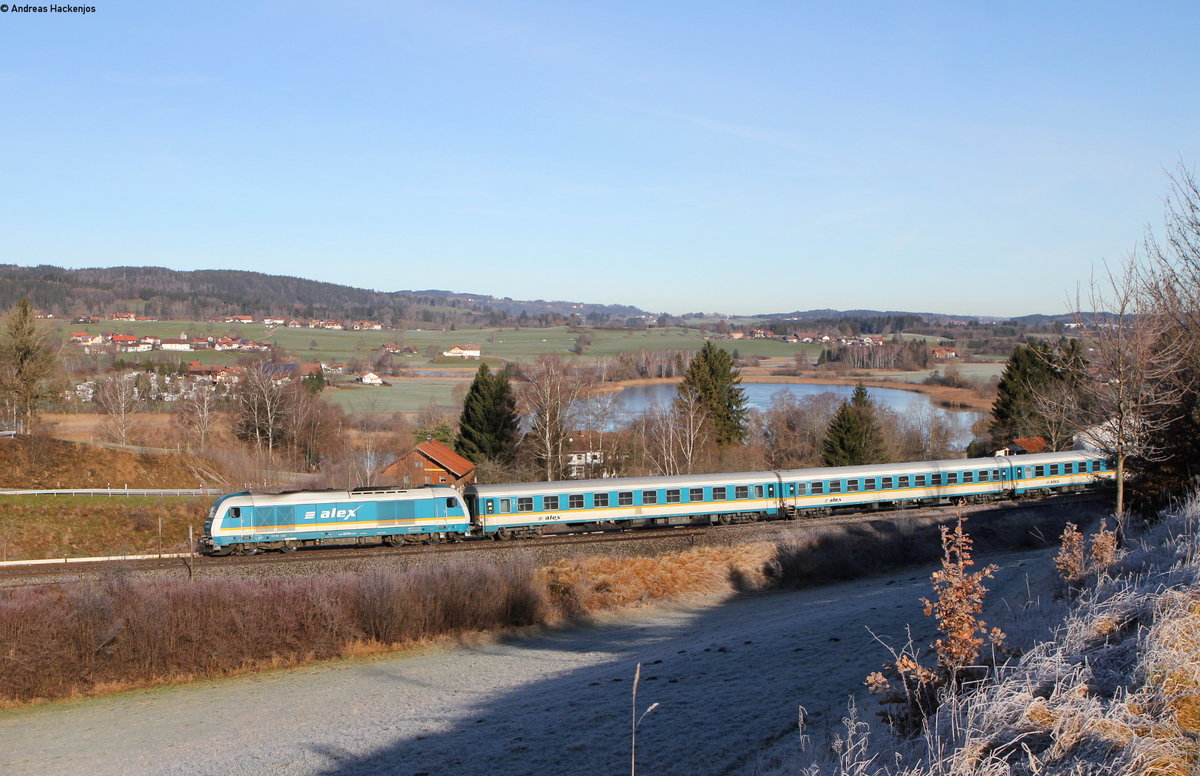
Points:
x=714, y=382
x=28, y=364
x=488, y=425
x=1037, y=370
x=854, y=437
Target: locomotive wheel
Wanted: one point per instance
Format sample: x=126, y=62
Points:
x=288, y=547
x=725, y=519
x=248, y=549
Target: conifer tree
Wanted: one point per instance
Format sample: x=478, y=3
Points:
x=714, y=382
x=28, y=364
x=1033, y=373
x=854, y=437
x=488, y=425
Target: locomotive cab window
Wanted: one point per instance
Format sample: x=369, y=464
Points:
x=550, y=502
x=600, y=499
x=235, y=513
x=451, y=503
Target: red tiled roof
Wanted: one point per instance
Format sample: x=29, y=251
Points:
x=1033, y=444
x=445, y=457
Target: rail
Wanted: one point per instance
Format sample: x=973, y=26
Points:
x=126, y=491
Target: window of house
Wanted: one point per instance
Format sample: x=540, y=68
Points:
x=696, y=494
x=600, y=499
x=673, y=496
x=525, y=504
x=741, y=491
x=550, y=502
x=625, y=498
x=649, y=496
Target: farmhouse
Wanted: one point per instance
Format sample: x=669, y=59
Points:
x=430, y=463
x=462, y=351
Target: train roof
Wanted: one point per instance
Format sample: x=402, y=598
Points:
x=359, y=494
x=743, y=478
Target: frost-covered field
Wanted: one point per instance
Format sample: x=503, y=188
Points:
x=728, y=674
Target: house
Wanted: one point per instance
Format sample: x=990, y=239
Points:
x=366, y=326
x=398, y=349
x=461, y=351
x=430, y=463
x=176, y=344
x=239, y=319
x=943, y=353
x=273, y=321
x=369, y=378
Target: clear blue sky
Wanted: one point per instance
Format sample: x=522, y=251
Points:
x=962, y=157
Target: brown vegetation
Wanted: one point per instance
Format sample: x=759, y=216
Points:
x=96, y=526
x=40, y=462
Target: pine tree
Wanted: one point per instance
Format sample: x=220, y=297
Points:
x=854, y=437
x=488, y=425
x=714, y=382
x=1034, y=370
x=28, y=364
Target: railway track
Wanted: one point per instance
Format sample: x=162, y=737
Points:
x=343, y=559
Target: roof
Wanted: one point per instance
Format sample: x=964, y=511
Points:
x=1033, y=444
x=445, y=457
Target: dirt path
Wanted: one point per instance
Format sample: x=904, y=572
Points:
x=729, y=675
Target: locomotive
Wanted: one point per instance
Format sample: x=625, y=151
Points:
x=248, y=522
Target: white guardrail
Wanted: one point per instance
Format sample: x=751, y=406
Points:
x=65, y=561
x=116, y=492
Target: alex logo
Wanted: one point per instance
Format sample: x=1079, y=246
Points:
x=339, y=514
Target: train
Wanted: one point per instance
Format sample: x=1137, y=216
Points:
x=246, y=523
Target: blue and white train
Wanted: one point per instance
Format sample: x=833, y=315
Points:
x=247, y=522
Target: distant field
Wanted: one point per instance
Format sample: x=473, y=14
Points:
x=497, y=344
x=403, y=395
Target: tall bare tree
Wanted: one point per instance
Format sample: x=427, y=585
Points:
x=261, y=408
x=197, y=416
x=117, y=399
x=550, y=399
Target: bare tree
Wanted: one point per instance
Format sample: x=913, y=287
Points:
x=1130, y=392
x=117, y=398
x=550, y=399
x=28, y=365
x=261, y=408
x=197, y=416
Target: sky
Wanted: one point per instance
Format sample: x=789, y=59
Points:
x=981, y=158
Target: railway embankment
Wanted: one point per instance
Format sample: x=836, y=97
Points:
x=118, y=629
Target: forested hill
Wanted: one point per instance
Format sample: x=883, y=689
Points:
x=173, y=295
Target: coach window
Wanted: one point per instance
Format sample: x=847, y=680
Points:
x=696, y=494
x=719, y=494
x=935, y=479
x=741, y=491
x=649, y=496
x=801, y=487
x=996, y=475
x=1039, y=471
x=625, y=498
x=981, y=476
x=869, y=483
x=818, y=488
x=887, y=483
x=852, y=486
x=835, y=486
x=505, y=505
x=525, y=504
x=575, y=501
x=550, y=502
x=968, y=476
x=673, y=496
x=600, y=499
x=951, y=478
x=902, y=481
x=758, y=491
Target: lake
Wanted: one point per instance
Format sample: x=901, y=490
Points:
x=636, y=399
